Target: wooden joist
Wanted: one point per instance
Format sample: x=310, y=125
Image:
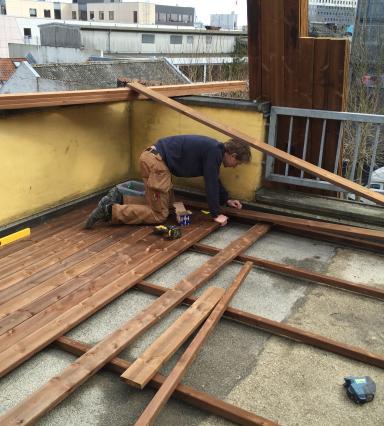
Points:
x=191, y=396
x=78, y=97
x=98, y=295
x=164, y=393
x=358, y=243
x=304, y=224
x=284, y=330
x=261, y=146
x=280, y=268
x=161, y=350
x=92, y=361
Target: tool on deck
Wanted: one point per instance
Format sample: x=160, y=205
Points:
x=183, y=216
x=170, y=232
x=360, y=389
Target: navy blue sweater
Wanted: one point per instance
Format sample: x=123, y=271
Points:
x=194, y=155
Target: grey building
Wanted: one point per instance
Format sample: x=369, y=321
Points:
x=90, y=75
x=226, y=21
x=174, y=15
x=339, y=13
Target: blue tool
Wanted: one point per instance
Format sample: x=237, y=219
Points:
x=360, y=389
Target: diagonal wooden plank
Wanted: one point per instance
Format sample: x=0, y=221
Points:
x=77, y=373
x=50, y=227
x=161, y=350
x=164, y=393
x=101, y=295
x=35, y=272
x=305, y=224
x=107, y=263
x=191, y=396
x=82, y=286
x=283, y=330
x=281, y=268
x=261, y=146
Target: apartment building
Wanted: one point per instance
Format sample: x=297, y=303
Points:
x=340, y=13
x=41, y=9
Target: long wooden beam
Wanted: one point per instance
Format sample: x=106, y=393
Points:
x=283, y=330
x=300, y=273
x=305, y=224
x=92, y=361
x=260, y=146
x=164, y=393
x=358, y=243
x=191, y=396
x=166, y=345
x=48, y=99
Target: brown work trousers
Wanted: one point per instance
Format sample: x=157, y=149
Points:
x=153, y=208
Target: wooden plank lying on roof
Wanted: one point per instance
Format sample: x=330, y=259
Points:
x=261, y=146
x=92, y=361
x=183, y=393
x=164, y=393
x=97, y=294
x=301, y=273
x=305, y=224
x=48, y=99
x=284, y=330
x=74, y=285
x=166, y=345
x=333, y=238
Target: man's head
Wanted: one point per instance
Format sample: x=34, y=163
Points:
x=236, y=152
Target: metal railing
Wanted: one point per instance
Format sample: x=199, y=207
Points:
x=354, y=120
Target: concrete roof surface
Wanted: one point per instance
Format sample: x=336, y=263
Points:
x=285, y=381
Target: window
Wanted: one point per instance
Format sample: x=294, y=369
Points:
x=135, y=16
x=375, y=186
x=111, y=15
x=176, y=39
x=148, y=38
x=57, y=14
x=209, y=39
x=32, y=12
x=47, y=13
x=27, y=32
x=74, y=14
x=92, y=15
x=190, y=39
x=162, y=17
x=101, y=15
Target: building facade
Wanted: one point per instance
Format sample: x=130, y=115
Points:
x=340, y=13
x=174, y=15
x=225, y=21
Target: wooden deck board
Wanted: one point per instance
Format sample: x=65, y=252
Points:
x=78, y=289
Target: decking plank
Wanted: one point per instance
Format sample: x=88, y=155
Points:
x=164, y=393
x=77, y=373
x=166, y=345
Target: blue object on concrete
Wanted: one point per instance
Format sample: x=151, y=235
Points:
x=131, y=187
x=360, y=389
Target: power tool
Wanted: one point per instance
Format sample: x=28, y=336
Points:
x=360, y=389
x=170, y=232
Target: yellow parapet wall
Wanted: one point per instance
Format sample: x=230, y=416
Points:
x=54, y=155
x=151, y=121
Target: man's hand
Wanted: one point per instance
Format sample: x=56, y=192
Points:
x=221, y=219
x=234, y=203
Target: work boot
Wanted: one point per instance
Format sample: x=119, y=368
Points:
x=103, y=211
x=114, y=196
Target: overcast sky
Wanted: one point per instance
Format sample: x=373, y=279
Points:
x=204, y=8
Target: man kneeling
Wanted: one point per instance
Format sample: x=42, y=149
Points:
x=183, y=156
